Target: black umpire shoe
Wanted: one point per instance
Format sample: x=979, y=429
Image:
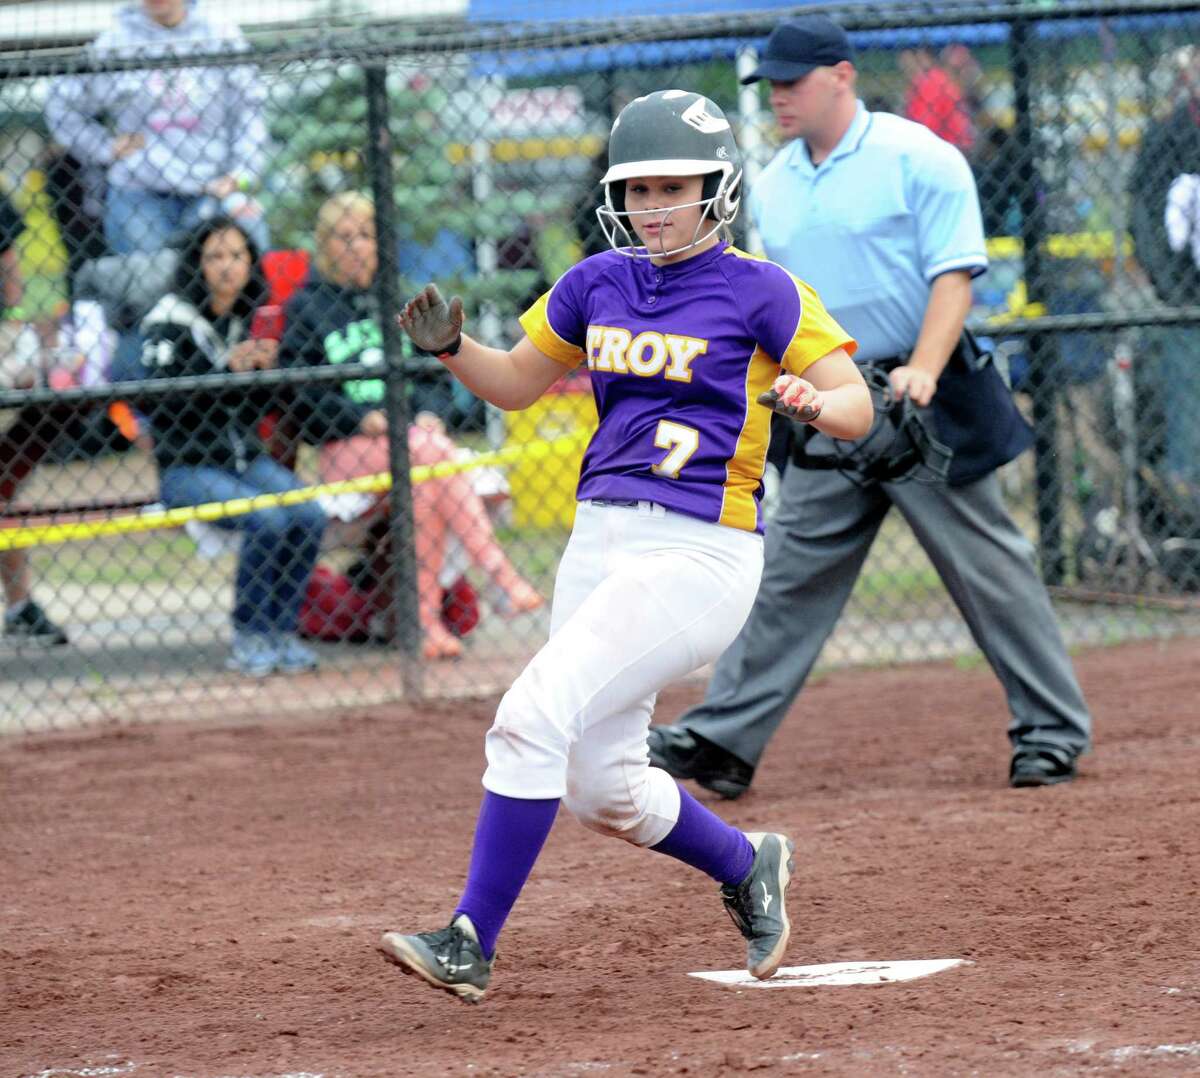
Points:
x=683, y=755
x=1040, y=765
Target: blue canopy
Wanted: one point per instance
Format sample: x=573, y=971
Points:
x=574, y=60
x=511, y=11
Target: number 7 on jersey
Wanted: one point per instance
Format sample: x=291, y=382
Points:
x=681, y=441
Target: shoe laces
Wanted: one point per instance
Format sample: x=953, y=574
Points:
x=449, y=944
x=740, y=906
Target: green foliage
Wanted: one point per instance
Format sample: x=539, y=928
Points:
x=322, y=129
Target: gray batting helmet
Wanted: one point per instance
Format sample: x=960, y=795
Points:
x=671, y=133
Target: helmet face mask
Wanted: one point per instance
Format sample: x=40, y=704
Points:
x=617, y=223
x=671, y=133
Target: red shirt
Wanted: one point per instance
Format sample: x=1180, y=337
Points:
x=935, y=101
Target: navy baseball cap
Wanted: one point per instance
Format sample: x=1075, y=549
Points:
x=796, y=46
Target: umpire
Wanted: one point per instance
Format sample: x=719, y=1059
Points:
x=882, y=218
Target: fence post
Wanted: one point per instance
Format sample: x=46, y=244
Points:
x=755, y=152
x=1043, y=351
x=401, y=579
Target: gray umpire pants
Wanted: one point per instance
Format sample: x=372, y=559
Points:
x=815, y=548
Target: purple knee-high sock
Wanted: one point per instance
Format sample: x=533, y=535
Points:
x=700, y=838
x=509, y=835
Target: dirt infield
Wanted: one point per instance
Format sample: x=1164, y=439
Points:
x=204, y=900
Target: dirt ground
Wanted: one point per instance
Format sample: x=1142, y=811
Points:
x=203, y=900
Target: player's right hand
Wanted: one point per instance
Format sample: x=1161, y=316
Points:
x=433, y=324
x=793, y=397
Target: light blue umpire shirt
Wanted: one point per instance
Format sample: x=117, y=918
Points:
x=891, y=208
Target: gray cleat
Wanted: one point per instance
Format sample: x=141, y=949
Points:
x=757, y=904
x=450, y=958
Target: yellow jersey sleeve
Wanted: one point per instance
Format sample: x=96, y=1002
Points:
x=536, y=324
x=817, y=333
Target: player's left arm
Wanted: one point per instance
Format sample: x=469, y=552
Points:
x=821, y=384
x=832, y=392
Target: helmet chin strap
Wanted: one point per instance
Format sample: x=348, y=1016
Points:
x=615, y=229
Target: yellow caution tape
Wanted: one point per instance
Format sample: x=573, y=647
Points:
x=1089, y=245
x=508, y=150
x=153, y=520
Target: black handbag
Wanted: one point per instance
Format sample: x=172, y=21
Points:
x=975, y=415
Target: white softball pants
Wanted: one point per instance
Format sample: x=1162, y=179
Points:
x=643, y=597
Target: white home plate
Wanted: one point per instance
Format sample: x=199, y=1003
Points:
x=836, y=973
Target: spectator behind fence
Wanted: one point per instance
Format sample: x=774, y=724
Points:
x=24, y=620
x=76, y=194
x=935, y=100
x=184, y=142
x=334, y=319
x=1164, y=189
x=207, y=446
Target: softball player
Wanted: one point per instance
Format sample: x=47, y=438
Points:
x=681, y=333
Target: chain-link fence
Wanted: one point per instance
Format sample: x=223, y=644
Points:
x=205, y=241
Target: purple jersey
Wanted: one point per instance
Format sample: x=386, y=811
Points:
x=678, y=355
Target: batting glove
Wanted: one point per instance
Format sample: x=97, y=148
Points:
x=794, y=398
x=433, y=324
